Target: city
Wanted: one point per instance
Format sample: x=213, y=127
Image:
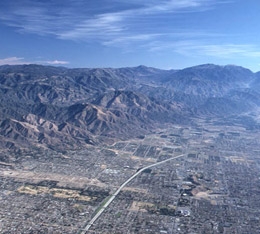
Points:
x=212, y=187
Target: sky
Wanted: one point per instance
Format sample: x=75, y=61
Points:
x=166, y=34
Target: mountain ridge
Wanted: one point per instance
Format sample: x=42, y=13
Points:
x=58, y=107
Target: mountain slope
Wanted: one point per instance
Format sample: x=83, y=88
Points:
x=61, y=108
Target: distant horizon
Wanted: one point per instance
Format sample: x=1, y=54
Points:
x=141, y=65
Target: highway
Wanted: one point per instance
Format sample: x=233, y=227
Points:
x=104, y=206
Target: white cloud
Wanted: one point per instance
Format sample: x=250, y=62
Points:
x=21, y=61
x=56, y=62
x=125, y=40
x=110, y=25
x=97, y=27
x=79, y=20
x=174, y=5
x=196, y=48
x=12, y=61
x=221, y=50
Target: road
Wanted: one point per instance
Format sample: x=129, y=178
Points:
x=104, y=206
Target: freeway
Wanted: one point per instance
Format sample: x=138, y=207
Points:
x=104, y=206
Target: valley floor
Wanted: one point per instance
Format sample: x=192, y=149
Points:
x=214, y=188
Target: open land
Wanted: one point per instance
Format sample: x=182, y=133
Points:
x=212, y=188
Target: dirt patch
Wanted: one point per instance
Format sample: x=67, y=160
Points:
x=55, y=192
x=140, y=206
x=103, y=166
x=63, y=180
x=199, y=191
x=144, y=159
x=202, y=195
x=138, y=190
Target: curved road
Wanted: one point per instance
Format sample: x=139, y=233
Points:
x=87, y=227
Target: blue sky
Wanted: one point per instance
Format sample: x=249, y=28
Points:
x=167, y=34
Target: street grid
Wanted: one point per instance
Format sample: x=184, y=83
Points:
x=184, y=179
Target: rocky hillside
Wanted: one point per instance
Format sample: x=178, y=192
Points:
x=61, y=108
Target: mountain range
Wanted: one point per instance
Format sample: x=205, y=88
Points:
x=62, y=108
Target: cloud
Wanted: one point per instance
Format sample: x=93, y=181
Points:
x=119, y=23
x=56, y=62
x=126, y=40
x=100, y=25
x=83, y=20
x=173, y=5
x=109, y=26
x=221, y=50
x=22, y=61
x=12, y=61
x=197, y=47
